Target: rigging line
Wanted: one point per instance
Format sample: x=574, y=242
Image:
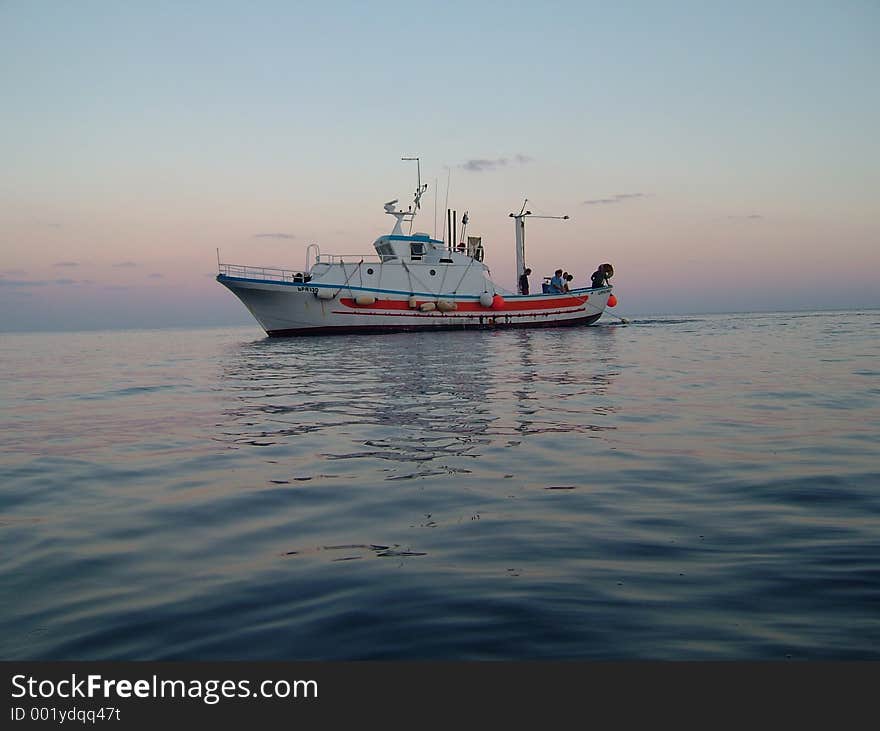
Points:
x=414, y=276
x=408, y=278
x=443, y=278
x=623, y=320
x=342, y=262
x=466, y=269
x=418, y=279
x=348, y=278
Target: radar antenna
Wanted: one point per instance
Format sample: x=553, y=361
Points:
x=409, y=214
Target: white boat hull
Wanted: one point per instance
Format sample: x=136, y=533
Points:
x=290, y=309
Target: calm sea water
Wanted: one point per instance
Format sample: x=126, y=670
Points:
x=700, y=487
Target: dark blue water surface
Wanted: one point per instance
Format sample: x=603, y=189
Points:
x=700, y=487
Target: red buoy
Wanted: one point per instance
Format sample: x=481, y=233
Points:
x=497, y=302
x=612, y=300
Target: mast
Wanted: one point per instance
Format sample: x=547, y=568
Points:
x=420, y=189
x=520, y=229
x=519, y=222
x=409, y=214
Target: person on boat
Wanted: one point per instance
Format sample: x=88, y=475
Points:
x=556, y=284
x=524, y=281
x=566, y=282
x=600, y=276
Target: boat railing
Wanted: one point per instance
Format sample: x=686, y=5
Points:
x=276, y=274
x=348, y=259
x=273, y=274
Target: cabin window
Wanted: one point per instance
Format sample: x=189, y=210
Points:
x=417, y=249
x=385, y=250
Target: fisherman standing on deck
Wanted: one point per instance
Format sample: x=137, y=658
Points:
x=524, y=281
x=556, y=284
x=601, y=275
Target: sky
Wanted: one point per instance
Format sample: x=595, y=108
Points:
x=722, y=156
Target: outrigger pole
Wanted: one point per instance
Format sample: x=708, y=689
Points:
x=520, y=225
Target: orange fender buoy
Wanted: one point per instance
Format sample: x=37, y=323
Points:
x=497, y=302
x=612, y=301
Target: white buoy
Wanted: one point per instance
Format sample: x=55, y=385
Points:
x=446, y=306
x=325, y=294
x=428, y=307
x=413, y=303
x=486, y=299
x=364, y=300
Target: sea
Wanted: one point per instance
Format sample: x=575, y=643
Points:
x=695, y=487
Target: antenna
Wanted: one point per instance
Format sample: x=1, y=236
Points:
x=448, y=179
x=419, y=187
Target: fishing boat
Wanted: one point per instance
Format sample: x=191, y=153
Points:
x=413, y=282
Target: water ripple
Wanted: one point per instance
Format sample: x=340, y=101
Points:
x=680, y=488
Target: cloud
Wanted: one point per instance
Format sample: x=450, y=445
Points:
x=22, y=282
x=749, y=217
x=156, y=275
x=480, y=165
x=274, y=236
x=34, y=282
x=125, y=265
x=66, y=264
x=14, y=272
x=618, y=198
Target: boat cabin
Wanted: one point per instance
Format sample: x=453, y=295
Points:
x=416, y=247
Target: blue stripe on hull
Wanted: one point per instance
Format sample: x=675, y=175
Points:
x=222, y=278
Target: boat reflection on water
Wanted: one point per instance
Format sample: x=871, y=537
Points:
x=559, y=385
x=401, y=407
x=404, y=399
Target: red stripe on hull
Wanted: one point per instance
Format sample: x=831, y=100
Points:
x=517, y=305
x=454, y=315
